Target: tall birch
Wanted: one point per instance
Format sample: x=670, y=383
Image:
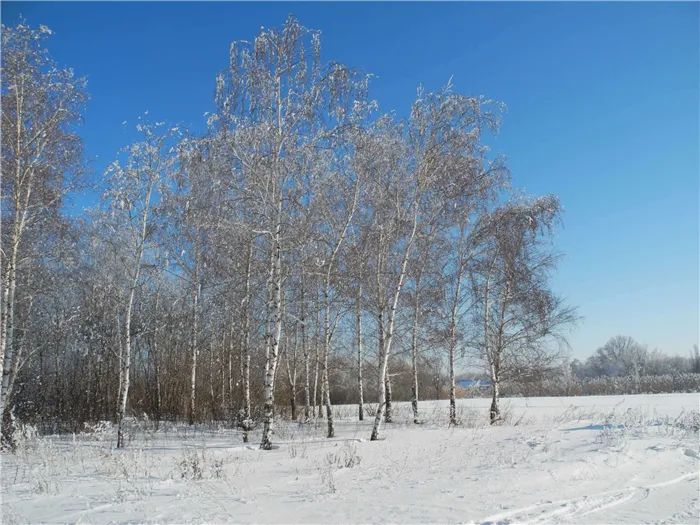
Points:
x=129, y=223
x=41, y=162
x=282, y=102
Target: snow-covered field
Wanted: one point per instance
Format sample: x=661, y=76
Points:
x=631, y=459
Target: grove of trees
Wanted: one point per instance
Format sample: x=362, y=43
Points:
x=622, y=356
x=305, y=250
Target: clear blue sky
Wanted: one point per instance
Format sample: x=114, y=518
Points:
x=603, y=110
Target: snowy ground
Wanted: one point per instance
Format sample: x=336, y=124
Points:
x=631, y=459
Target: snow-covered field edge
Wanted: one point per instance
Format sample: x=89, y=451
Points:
x=597, y=459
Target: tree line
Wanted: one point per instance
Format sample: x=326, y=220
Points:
x=621, y=366
x=304, y=248
x=622, y=356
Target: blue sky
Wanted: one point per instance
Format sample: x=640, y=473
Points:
x=603, y=110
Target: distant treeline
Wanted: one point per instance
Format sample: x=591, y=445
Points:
x=620, y=367
x=606, y=386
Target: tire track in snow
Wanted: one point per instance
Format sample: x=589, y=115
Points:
x=550, y=511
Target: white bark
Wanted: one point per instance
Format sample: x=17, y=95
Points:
x=125, y=364
x=361, y=409
x=326, y=350
x=453, y=341
x=24, y=176
x=494, y=413
x=414, y=352
x=21, y=206
x=19, y=350
x=212, y=394
x=10, y=283
x=315, y=396
x=272, y=348
x=317, y=402
x=40, y=102
x=389, y=412
x=194, y=349
x=389, y=336
x=306, y=353
x=120, y=361
x=126, y=358
x=292, y=373
x=156, y=362
x=245, y=357
x=496, y=352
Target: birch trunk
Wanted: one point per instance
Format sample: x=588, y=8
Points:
x=291, y=362
x=17, y=354
x=326, y=351
x=389, y=414
x=414, y=354
x=226, y=375
x=7, y=319
x=453, y=346
x=453, y=334
x=194, y=350
x=126, y=357
x=305, y=351
x=120, y=363
x=273, y=346
x=245, y=358
x=228, y=400
x=453, y=388
x=293, y=404
x=156, y=364
x=39, y=105
x=386, y=344
x=494, y=412
x=7, y=327
x=361, y=410
x=212, y=393
x=284, y=341
x=292, y=374
x=231, y=350
x=315, y=399
x=318, y=410
x=10, y=274
x=327, y=302
x=383, y=358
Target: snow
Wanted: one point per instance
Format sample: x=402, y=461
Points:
x=616, y=459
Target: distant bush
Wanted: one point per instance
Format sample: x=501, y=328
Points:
x=602, y=386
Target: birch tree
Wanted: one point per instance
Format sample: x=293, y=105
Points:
x=295, y=233
x=191, y=210
x=41, y=159
x=337, y=199
x=455, y=302
x=524, y=322
x=425, y=277
x=389, y=227
x=360, y=355
x=442, y=164
x=129, y=224
x=288, y=101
